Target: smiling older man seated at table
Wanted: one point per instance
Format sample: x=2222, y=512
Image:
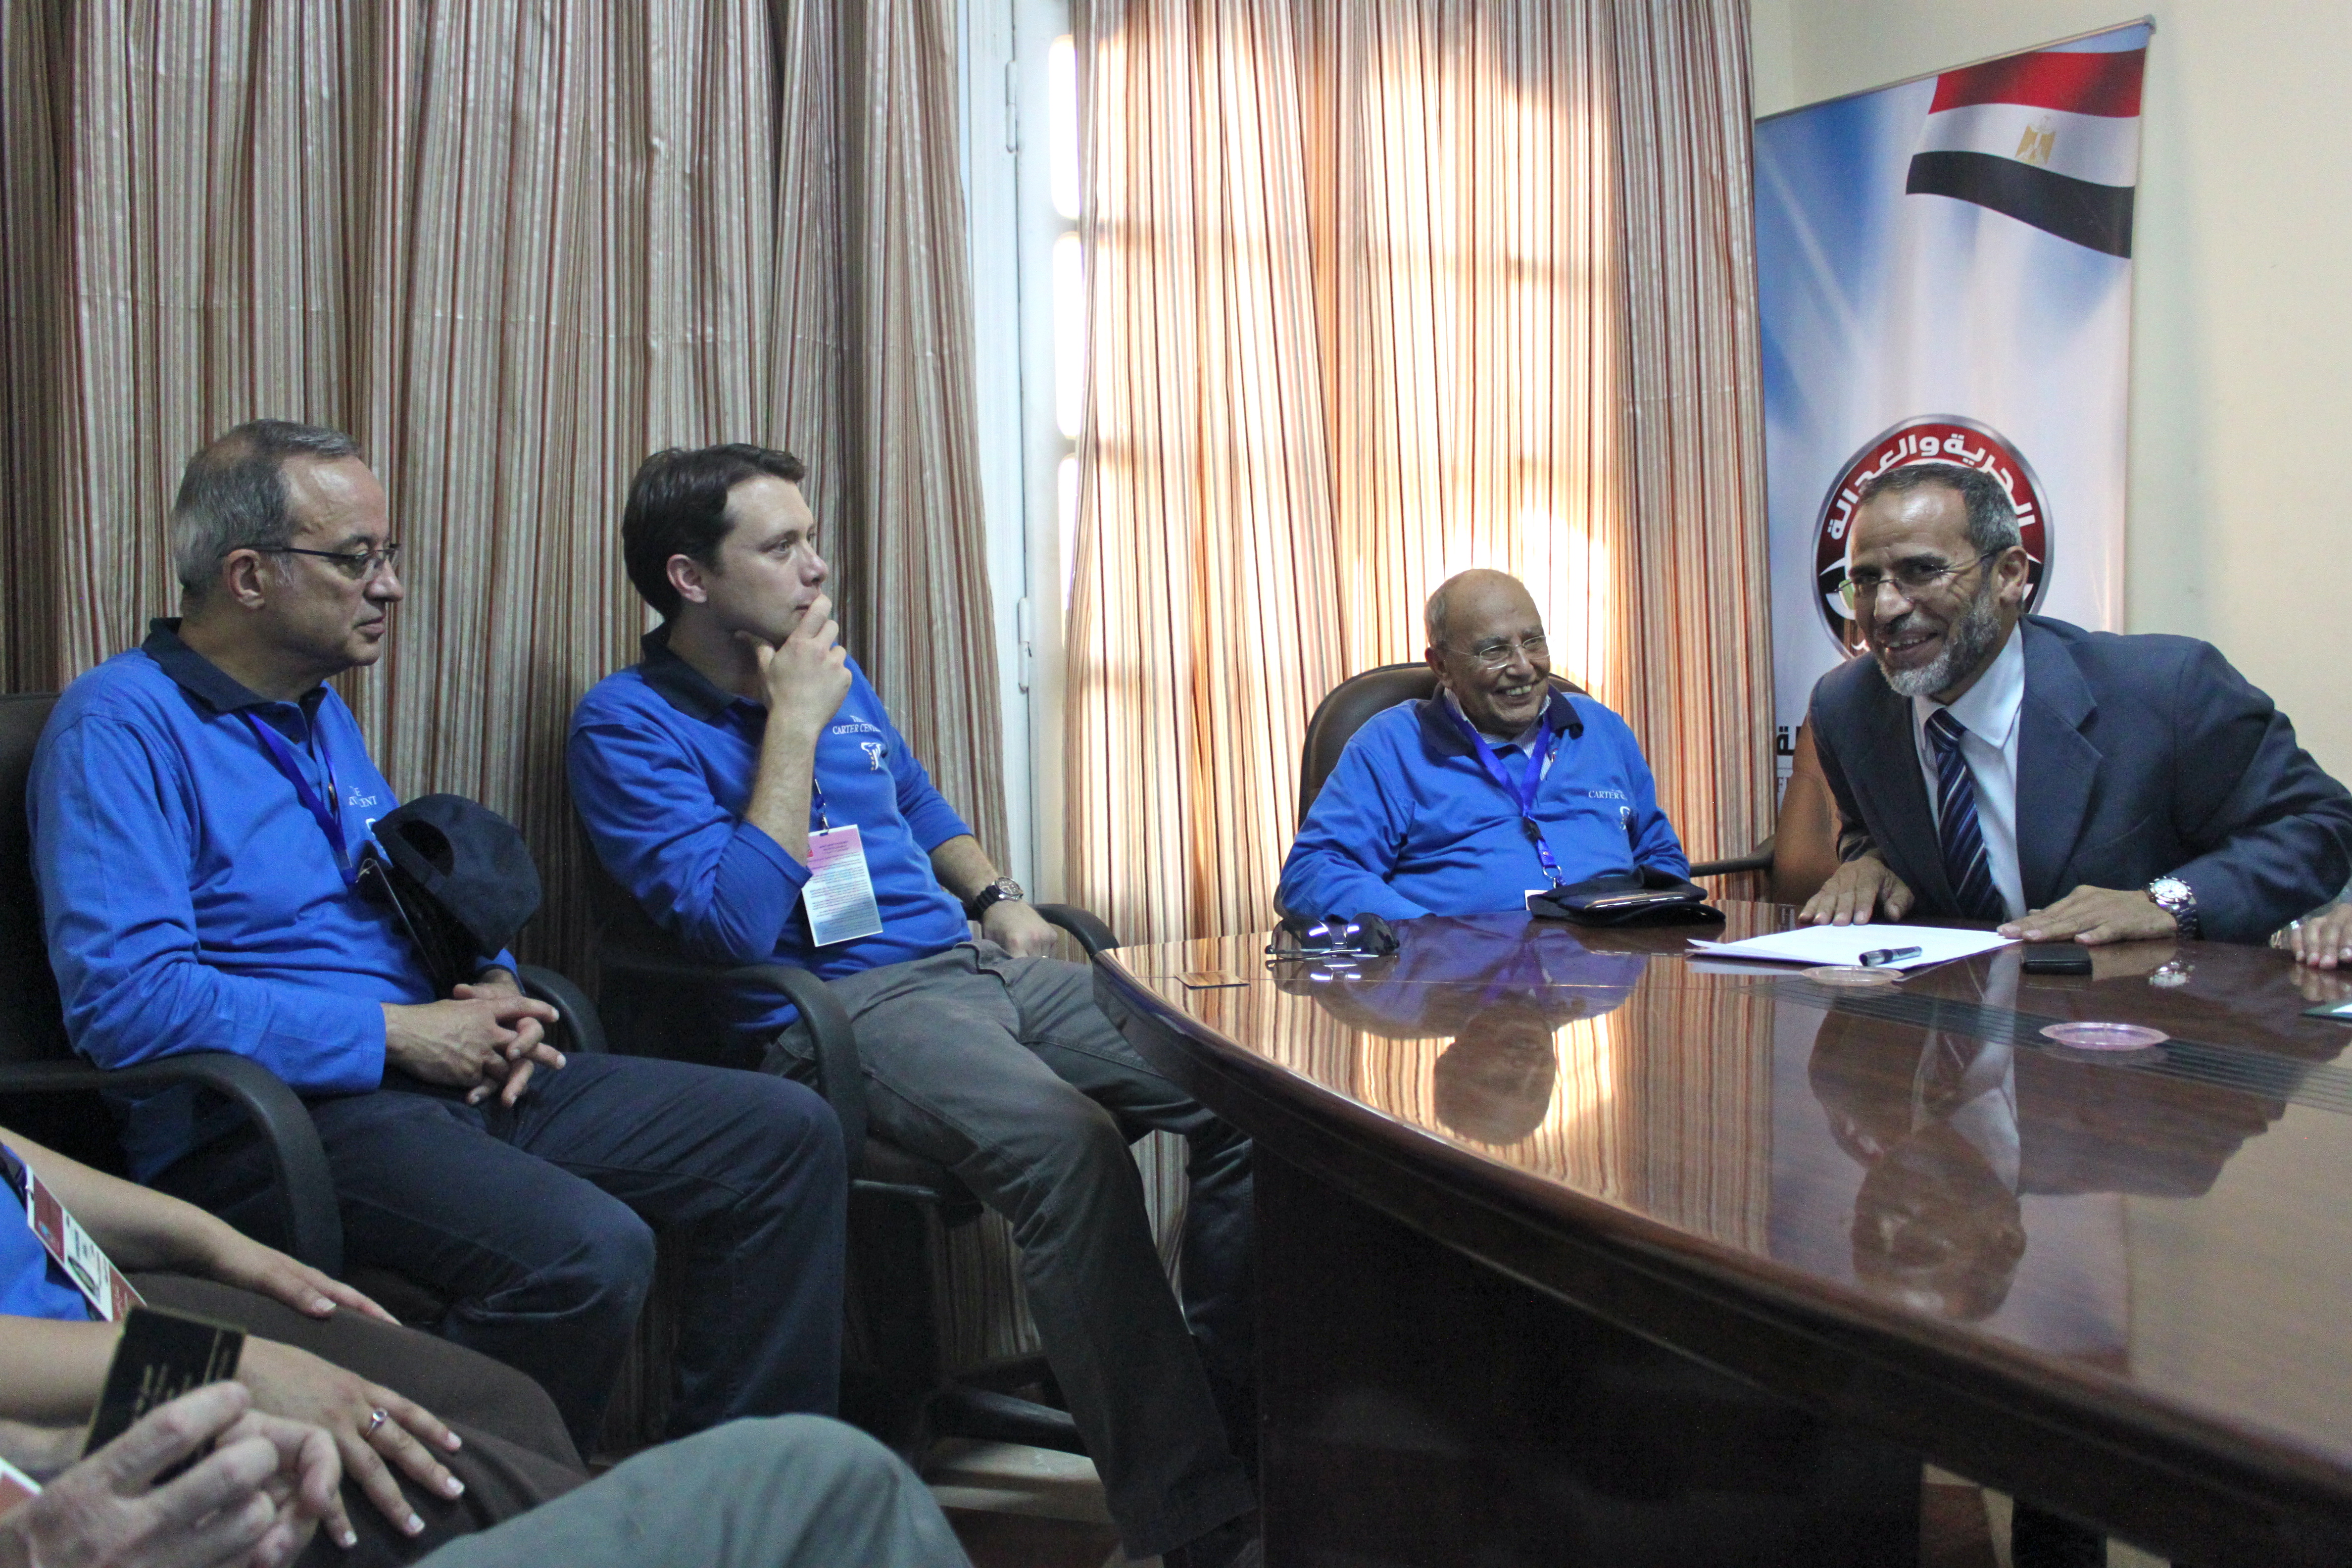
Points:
x=1463, y=802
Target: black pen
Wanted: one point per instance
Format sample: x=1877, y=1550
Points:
x=1879, y=956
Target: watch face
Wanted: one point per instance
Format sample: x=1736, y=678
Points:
x=2169, y=890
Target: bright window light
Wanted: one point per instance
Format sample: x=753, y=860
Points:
x=1065, y=489
x=1069, y=335
x=1061, y=99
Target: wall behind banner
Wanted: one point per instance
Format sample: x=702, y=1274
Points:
x=2242, y=340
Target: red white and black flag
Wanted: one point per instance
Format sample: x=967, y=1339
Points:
x=2050, y=139
x=1944, y=271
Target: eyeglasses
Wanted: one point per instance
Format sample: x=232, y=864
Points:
x=1498, y=654
x=1910, y=581
x=359, y=565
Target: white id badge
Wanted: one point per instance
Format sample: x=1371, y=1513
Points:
x=839, y=897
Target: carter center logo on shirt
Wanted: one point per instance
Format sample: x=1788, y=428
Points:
x=874, y=750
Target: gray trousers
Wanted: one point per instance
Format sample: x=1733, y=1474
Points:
x=1005, y=1070
x=793, y=1492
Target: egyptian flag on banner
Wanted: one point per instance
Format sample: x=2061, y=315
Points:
x=2050, y=139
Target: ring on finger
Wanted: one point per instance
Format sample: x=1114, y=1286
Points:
x=376, y=1418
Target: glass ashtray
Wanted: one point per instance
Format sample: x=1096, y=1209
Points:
x=2104, y=1036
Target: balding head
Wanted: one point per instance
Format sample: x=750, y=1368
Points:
x=1461, y=597
x=1487, y=643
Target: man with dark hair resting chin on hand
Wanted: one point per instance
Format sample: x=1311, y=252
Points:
x=795, y=1492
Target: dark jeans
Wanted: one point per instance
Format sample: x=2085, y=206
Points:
x=1005, y=1071
x=538, y=1224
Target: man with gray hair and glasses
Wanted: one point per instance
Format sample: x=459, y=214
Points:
x=200, y=805
x=2068, y=784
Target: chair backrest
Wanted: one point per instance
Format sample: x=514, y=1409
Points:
x=1342, y=712
x=1805, y=836
x=647, y=1013
x=32, y=1020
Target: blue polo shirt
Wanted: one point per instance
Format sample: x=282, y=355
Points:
x=192, y=903
x=662, y=763
x=1410, y=823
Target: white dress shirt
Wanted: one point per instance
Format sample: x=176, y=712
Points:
x=1987, y=715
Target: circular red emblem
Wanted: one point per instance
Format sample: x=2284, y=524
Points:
x=1930, y=438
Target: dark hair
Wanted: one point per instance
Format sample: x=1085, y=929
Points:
x=233, y=494
x=1992, y=519
x=678, y=506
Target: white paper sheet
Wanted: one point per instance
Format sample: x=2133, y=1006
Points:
x=1847, y=944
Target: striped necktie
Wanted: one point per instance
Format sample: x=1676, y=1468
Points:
x=1965, y=860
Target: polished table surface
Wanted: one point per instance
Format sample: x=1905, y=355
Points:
x=2123, y=1281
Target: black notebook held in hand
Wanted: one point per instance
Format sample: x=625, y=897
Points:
x=160, y=1356
x=1647, y=897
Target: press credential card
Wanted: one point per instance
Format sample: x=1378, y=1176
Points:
x=839, y=897
x=110, y=1294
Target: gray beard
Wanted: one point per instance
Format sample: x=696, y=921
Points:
x=1976, y=634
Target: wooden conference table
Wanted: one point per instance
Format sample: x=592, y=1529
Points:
x=1573, y=1251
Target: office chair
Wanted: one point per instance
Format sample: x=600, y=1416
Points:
x=54, y=1094
x=659, y=1002
x=1347, y=705
x=1803, y=850
x=1798, y=858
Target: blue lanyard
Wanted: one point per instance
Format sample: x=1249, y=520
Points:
x=330, y=823
x=1522, y=792
x=816, y=803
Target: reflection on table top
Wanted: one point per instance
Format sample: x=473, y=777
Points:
x=2179, y=1219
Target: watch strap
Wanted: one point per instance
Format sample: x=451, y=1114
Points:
x=999, y=892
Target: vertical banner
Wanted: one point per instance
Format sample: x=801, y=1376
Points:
x=1945, y=272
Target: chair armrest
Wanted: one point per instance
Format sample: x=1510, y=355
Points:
x=1758, y=859
x=583, y=1029
x=1092, y=934
x=841, y=1076
x=313, y=1226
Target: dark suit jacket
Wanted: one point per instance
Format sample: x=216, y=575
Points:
x=2137, y=757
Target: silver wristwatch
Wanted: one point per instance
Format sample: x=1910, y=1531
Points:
x=1000, y=890
x=2177, y=898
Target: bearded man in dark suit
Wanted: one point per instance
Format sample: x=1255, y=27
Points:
x=1993, y=765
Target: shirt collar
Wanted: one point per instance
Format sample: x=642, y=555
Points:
x=680, y=685
x=200, y=676
x=1989, y=709
x=1525, y=740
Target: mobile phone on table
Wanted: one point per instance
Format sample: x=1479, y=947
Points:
x=2057, y=958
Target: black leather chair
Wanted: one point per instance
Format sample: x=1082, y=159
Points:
x=54, y=1094
x=658, y=1001
x=1345, y=708
x=1797, y=858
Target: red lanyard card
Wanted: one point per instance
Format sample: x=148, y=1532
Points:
x=84, y=1261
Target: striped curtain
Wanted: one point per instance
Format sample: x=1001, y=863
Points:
x=511, y=249
x=1379, y=290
